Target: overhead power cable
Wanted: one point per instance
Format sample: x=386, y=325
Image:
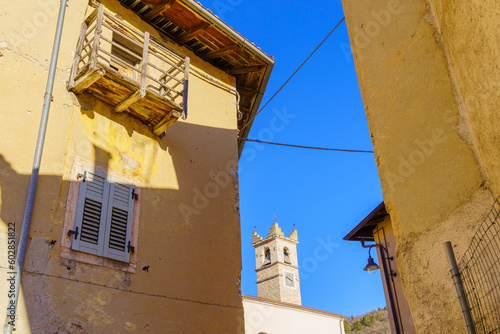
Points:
x=302, y=146
x=272, y=97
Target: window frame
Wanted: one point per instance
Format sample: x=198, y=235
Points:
x=67, y=250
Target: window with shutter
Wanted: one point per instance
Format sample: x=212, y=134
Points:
x=104, y=216
x=118, y=230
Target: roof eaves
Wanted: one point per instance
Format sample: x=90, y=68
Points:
x=295, y=306
x=351, y=235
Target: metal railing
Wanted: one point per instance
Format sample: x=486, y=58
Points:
x=479, y=271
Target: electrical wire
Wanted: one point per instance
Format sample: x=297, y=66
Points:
x=272, y=97
x=302, y=146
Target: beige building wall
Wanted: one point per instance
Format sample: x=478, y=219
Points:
x=267, y=316
x=428, y=75
x=184, y=275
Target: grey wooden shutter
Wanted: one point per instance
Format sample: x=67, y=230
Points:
x=119, y=216
x=91, y=212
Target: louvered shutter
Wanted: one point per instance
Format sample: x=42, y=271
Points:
x=91, y=212
x=119, y=217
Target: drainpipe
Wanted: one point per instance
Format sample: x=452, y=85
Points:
x=30, y=201
x=457, y=280
x=389, y=276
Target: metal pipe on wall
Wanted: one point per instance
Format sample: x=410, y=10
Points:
x=30, y=201
x=457, y=280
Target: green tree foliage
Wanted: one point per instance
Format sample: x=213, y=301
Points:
x=368, y=320
x=373, y=322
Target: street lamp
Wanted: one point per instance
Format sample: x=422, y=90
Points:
x=371, y=267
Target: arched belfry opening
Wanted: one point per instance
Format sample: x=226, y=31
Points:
x=267, y=257
x=286, y=256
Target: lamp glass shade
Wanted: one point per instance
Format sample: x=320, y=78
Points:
x=371, y=267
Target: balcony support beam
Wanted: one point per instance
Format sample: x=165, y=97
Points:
x=166, y=122
x=88, y=80
x=125, y=104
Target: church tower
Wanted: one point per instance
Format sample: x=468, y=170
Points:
x=277, y=265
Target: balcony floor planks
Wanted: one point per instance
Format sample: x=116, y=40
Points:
x=114, y=88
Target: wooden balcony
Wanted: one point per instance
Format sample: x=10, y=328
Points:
x=131, y=71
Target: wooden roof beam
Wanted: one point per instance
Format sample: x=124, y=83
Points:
x=159, y=10
x=246, y=90
x=245, y=69
x=193, y=32
x=221, y=52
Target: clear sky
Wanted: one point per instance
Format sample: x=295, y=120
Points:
x=325, y=194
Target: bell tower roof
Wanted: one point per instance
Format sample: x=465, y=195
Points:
x=274, y=232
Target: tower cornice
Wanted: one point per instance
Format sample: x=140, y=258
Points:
x=274, y=237
x=276, y=263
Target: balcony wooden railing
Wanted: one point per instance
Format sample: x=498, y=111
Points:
x=130, y=70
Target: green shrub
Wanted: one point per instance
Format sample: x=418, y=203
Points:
x=347, y=327
x=368, y=320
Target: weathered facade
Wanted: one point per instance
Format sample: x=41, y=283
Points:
x=428, y=73
x=163, y=254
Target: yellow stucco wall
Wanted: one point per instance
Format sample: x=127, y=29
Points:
x=188, y=233
x=427, y=72
x=469, y=36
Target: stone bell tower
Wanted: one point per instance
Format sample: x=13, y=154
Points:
x=277, y=265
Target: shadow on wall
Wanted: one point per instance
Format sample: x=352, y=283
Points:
x=176, y=227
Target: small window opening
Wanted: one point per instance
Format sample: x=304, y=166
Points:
x=125, y=57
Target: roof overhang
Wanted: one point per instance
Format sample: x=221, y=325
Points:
x=364, y=230
x=188, y=23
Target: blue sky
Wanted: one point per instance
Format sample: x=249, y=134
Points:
x=325, y=194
